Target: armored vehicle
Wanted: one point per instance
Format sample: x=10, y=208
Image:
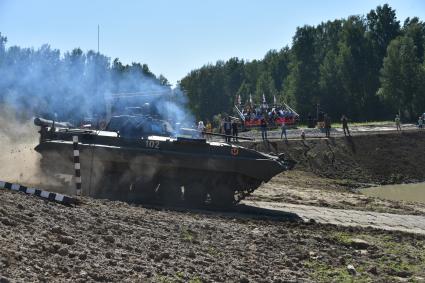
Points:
x=138, y=159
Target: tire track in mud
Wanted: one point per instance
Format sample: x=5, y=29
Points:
x=347, y=217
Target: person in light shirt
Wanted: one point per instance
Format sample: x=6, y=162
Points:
x=201, y=129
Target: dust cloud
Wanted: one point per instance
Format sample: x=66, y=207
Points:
x=19, y=162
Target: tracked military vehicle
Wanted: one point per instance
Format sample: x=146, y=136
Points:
x=137, y=158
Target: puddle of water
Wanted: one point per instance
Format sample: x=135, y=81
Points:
x=406, y=192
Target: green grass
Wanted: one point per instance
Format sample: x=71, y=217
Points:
x=195, y=280
x=187, y=235
x=178, y=277
x=356, y=124
x=214, y=252
x=326, y=273
x=367, y=123
x=343, y=238
x=397, y=256
x=163, y=279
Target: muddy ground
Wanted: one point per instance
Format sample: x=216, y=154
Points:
x=102, y=240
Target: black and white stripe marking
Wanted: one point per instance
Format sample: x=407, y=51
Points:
x=37, y=192
x=77, y=165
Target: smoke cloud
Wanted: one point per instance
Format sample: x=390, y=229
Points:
x=74, y=85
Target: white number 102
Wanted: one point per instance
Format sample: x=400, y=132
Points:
x=152, y=144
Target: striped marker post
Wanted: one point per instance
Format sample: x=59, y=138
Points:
x=77, y=165
x=37, y=192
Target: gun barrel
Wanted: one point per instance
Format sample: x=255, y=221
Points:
x=41, y=122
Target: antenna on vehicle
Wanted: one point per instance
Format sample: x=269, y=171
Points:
x=98, y=32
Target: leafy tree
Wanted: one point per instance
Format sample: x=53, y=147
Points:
x=244, y=91
x=302, y=81
x=382, y=28
x=331, y=86
x=415, y=29
x=402, y=77
x=353, y=67
x=265, y=85
x=163, y=81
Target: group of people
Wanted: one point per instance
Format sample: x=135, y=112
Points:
x=204, y=129
x=263, y=128
x=421, y=121
x=264, y=112
x=327, y=122
x=230, y=129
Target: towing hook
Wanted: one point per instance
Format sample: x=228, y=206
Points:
x=289, y=163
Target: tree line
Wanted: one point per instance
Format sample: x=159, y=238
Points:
x=367, y=67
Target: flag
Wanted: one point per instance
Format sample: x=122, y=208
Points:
x=274, y=99
x=264, y=99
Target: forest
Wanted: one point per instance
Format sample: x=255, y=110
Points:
x=367, y=67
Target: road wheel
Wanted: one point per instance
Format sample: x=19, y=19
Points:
x=222, y=196
x=194, y=194
x=169, y=192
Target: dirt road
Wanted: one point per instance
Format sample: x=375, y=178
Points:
x=335, y=132
x=349, y=217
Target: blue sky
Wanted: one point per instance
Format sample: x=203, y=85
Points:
x=174, y=37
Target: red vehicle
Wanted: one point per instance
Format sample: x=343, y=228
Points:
x=276, y=115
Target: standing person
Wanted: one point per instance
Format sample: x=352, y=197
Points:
x=263, y=129
x=327, y=125
x=310, y=121
x=227, y=129
x=235, y=130
x=208, y=128
x=283, y=131
x=201, y=129
x=397, y=122
x=302, y=135
x=344, y=122
x=420, y=122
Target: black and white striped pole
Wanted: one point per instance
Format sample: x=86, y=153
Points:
x=77, y=165
x=37, y=192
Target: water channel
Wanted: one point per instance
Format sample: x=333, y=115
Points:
x=406, y=192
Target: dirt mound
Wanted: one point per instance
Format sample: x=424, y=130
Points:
x=375, y=158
